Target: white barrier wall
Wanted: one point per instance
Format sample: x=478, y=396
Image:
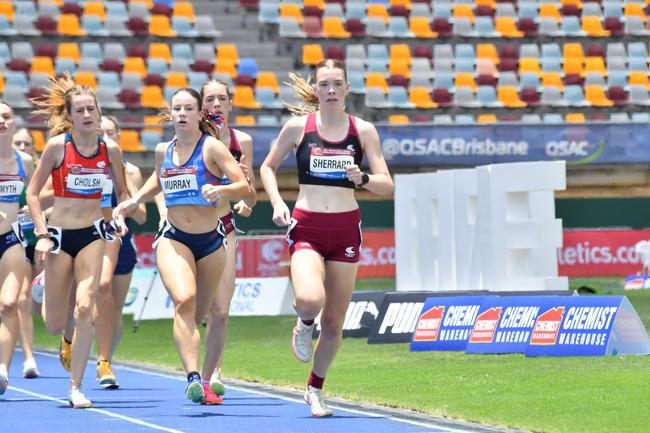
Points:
x=489, y=228
x=252, y=297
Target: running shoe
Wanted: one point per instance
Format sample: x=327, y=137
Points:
x=65, y=354
x=210, y=397
x=216, y=384
x=314, y=399
x=301, y=341
x=105, y=375
x=194, y=390
x=77, y=398
x=30, y=371
x=4, y=380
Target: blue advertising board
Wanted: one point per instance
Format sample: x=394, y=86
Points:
x=470, y=145
x=584, y=326
x=446, y=323
x=505, y=324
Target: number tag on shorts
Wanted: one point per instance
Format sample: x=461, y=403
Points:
x=55, y=237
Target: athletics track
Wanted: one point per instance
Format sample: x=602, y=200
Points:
x=153, y=401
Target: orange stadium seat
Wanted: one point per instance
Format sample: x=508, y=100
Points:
x=400, y=52
x=42, y=64
x=152, y=123
x=376, y=79
x=176, y=79
x=291, y=10
x=553, y=79
x=86, y=78
x=575, y=118
x=592, y=26
x=399, y=67
x=509, y=97
x=550, y=10
x=68, y=25
x=377, y=10
x=398, y=119
x=333, y=28
x=227, y=52
x=160, y=50
x=184, y=9
x=507, y=27
x=161, y=27
x=130, y=141
x=152, y=97
x=320, y=4
x=595, y=64
x=403, y=3
x=529, y=64
x=39, y=139
x=68, y=50
x=576, y=3
x=312, y=54
x=135, y=65
x=483, y=119
x=596, y=96
x=245, y=98
x=639, y=77
x=488, y=51
x=227, y=67
x=420, y=28
x=573, y=65
x=464, y=10
x=633, y=9
x=94, y=8
x=7, y=9
x=465, y=79
x=245, y=120
x=2, y=83
x=490, y=3
x=421, y=97
x=572, y=50
x=268, y=79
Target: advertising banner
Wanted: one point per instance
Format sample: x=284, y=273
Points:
x=470, y=145
x=398, y=315
x=446, y=323
x=504, y=324
x=361, y=314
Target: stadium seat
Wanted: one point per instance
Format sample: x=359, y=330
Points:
x=130, y=141
x=463, y=10
x=553, y=79
x=245, y=120
x=639, y=78
x=509, y=97
x=24, y=25
x=184, y=9
x=160, y=50
x=596, y=96
x=267, y=98
x=398, y=119
x=375, y=79
x=244, y=98
x=333, y=28
x=486, y=119
x=465, y=79
x=421, y=98
x=86, y=78
x=176, y=79
x=375, y=98
x=312, y=27
x=69, y=50
x=227, y=67
x=291, y=10
x=7, y=10
x=152, y=97
x=617, y=95
x=42, y=64
x=420, y=28
x=592, y=27
x=507, y=27
x=530, y=97
x=205, y=27
x=227, y=52
x=312, y=54
x=161, y=27
x=68, y=25
x=135, y=65
x=575, y=118
x=64, y=64
x=529, y=65
x=638, y=95
x=574, y=96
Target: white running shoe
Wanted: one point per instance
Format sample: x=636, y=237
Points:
x=77, y=398
x=301, y=341
x=216, y=384
x=4, y=379
x=314, y=399
x=30, y=371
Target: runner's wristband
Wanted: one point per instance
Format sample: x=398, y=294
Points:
x=43, y=236
x=364, y=179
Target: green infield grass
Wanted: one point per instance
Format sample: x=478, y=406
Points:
x=572, y=395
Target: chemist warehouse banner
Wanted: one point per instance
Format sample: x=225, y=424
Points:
x=470, y=145
x=534, y=325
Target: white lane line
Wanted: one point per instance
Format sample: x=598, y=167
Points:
x=368, y=413
x=101, y=411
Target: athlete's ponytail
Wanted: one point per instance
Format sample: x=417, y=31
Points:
x=56, y=104
x=304, y=88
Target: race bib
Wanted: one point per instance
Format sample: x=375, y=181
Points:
x=179, y=182
x=107, y=192
x=25, y=221
x=11, y=186
x=330, y=163
x=85, y=181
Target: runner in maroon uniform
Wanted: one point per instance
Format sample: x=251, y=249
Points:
x=324, y=232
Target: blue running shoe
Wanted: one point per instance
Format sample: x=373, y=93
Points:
x=194, y=390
